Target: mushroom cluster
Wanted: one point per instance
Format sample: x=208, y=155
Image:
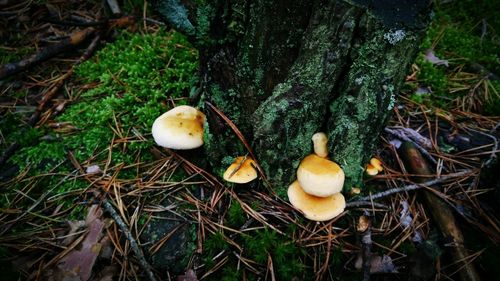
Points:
x=374, y=167
x=316, y=192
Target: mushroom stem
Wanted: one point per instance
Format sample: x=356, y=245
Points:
x=320, y=144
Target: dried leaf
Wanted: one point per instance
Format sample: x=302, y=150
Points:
x=74, y=226
x=77, y=265
x=431, y=57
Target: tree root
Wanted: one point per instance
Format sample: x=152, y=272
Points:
x=440, y=212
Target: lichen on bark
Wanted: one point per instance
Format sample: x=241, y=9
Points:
x=286, y=121
x=283, y=70
x=357, y=116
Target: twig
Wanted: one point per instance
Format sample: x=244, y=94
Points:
x=49, y=95
x=357, y=203
x=9, y=224
x=74, y=40
x=440, y=212
x=410, y=187
x=119, y=221
x=495, y=128
x=153, y=21
x=324, y=268
x=90, y=49
x=402, y=135
x=238, y=167
x=76, y=23
x=400, y=131
x=133, y=243
x=494, y=151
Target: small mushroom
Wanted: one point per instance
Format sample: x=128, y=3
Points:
x=355, y=190
x=320, y=141
x=241, y=170
x=179, y=128
x=377, y=164
x=319, y=176
x=313, y=207
x=374, y=167
x=370, y=170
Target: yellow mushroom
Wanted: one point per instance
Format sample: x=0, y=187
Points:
x=319, y=176
x=241, y=170
x=377, y=164
x=370, y=170
x=313, y=207
x=355, y=190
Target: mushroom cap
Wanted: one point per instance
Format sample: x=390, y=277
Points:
x=370, y=170
x=313, y=207
x=241, y=170
x=319, y=176
x=377, y=164
x=355, y=190
x=179, y=128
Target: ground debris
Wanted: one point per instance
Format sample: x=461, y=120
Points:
x=78, y=263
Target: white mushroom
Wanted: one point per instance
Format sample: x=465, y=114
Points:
x=179, y=128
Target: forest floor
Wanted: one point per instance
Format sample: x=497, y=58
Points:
x=75, y=134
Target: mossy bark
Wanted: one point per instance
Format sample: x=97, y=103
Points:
x=283, y=70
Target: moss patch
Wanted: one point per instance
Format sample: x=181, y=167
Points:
x=466, y=38
x=258, y=246
x=130, y=81
x=135, y=76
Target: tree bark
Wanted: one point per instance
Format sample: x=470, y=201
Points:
x=284, y=70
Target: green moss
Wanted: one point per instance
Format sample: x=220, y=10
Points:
x=285, y=254
x=235, y=215
x=136, y=74
x=257, y=246
x=407, y=248
x=10, y=131
x=133, y=7
x=212, y=246
x=493, y=105
x=133, y=78
x=43, y=157
x=465, y=37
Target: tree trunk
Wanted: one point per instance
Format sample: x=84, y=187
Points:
x=284, y=70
